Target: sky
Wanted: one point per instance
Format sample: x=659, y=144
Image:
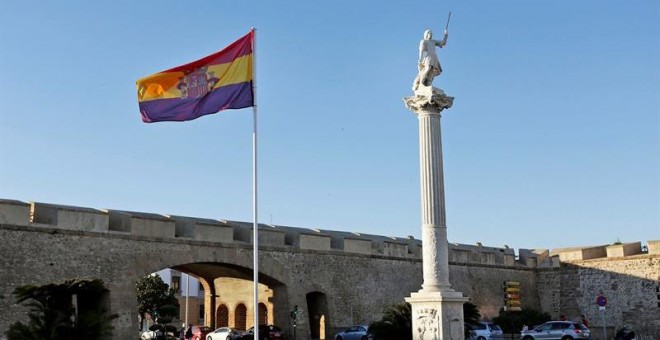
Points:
x=553, y=139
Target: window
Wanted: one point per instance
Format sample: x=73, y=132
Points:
x=176, y=284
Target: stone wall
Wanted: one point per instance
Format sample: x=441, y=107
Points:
x=631, y=285
x=352, y=276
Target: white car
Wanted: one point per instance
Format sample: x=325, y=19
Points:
x=485, y=331
x=224, y=333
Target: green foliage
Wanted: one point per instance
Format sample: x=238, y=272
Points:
x=52, y=315
x=396, y=323
x=155, y=296
x=471, y=313
x=513, y=321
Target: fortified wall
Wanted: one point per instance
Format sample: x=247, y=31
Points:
x=42, y=243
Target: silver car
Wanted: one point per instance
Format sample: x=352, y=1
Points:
x=560, y=330
x=353, y=333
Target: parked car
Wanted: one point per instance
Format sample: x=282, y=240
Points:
x=485, y=330
x=266, y=332
x=160, y=332
x=225, y=333
x=200, y=332
x=562, y=330
x=358, y=332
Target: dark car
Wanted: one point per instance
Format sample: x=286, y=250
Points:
x=266, y=332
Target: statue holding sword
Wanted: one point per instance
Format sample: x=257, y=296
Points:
x=429, y=64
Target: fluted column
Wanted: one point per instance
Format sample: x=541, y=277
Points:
x=437, y=310
x=434, y=227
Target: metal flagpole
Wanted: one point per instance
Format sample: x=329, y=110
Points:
x=255, y=228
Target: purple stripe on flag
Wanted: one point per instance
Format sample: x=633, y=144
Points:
x=235, y=96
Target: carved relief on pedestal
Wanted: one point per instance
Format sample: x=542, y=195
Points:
x=428, y=322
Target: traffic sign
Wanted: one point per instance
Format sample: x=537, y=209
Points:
x=601, y=301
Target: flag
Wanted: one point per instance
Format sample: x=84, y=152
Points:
x=217, y=82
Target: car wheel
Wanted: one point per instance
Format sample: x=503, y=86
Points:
x=528, y=338
x=228, y=337
x=339, y=338
x=567, y=338
x=481, y=338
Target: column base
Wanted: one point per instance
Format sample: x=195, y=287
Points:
x=437, y=315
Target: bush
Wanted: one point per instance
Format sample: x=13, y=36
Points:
x=513, y=321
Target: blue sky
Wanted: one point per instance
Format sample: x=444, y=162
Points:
x=553, y=140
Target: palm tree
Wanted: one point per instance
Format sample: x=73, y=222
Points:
x=53, y=317
x=396, y=323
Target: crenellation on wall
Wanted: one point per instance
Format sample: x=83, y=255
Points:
x=580, y=253
x=624, y=249
x=69, y=217
x=242, y=230
x=14, y=212
x=357, y=245
x=142, y=224
x=314, y=241
x=395, y=248
x=532, y=257
x=172, y=226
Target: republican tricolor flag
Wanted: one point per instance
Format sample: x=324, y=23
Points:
x=220, y=81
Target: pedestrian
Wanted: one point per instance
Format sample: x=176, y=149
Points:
x=189, y=332
x=585, y=322
x=562, y=317
x=182, y=333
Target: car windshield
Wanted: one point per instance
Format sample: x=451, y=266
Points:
x=494, y=327
x=479, y=326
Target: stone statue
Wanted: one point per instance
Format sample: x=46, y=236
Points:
x=426, y=97
x=429, y=64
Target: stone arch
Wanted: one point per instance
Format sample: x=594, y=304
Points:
x=263, y=314
x=240, y=317
x=222, y=316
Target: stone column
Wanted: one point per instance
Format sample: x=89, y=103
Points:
x=437, y=310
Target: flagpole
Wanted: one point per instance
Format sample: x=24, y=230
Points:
x=255, y=228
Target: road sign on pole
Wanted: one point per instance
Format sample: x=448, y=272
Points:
x=601, y=301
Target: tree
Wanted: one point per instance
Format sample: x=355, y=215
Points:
x=53, y=315
x=153, y=294
x=471, y=313
x=396, y=323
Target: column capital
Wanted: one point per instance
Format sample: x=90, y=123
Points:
x=428, y=100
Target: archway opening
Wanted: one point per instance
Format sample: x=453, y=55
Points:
x=317, y=308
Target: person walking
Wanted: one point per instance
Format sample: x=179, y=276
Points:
x=585, y=322
x=189, y=332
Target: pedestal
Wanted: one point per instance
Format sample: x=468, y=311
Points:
x=437, y=315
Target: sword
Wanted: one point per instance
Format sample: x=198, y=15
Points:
x=448, y=18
